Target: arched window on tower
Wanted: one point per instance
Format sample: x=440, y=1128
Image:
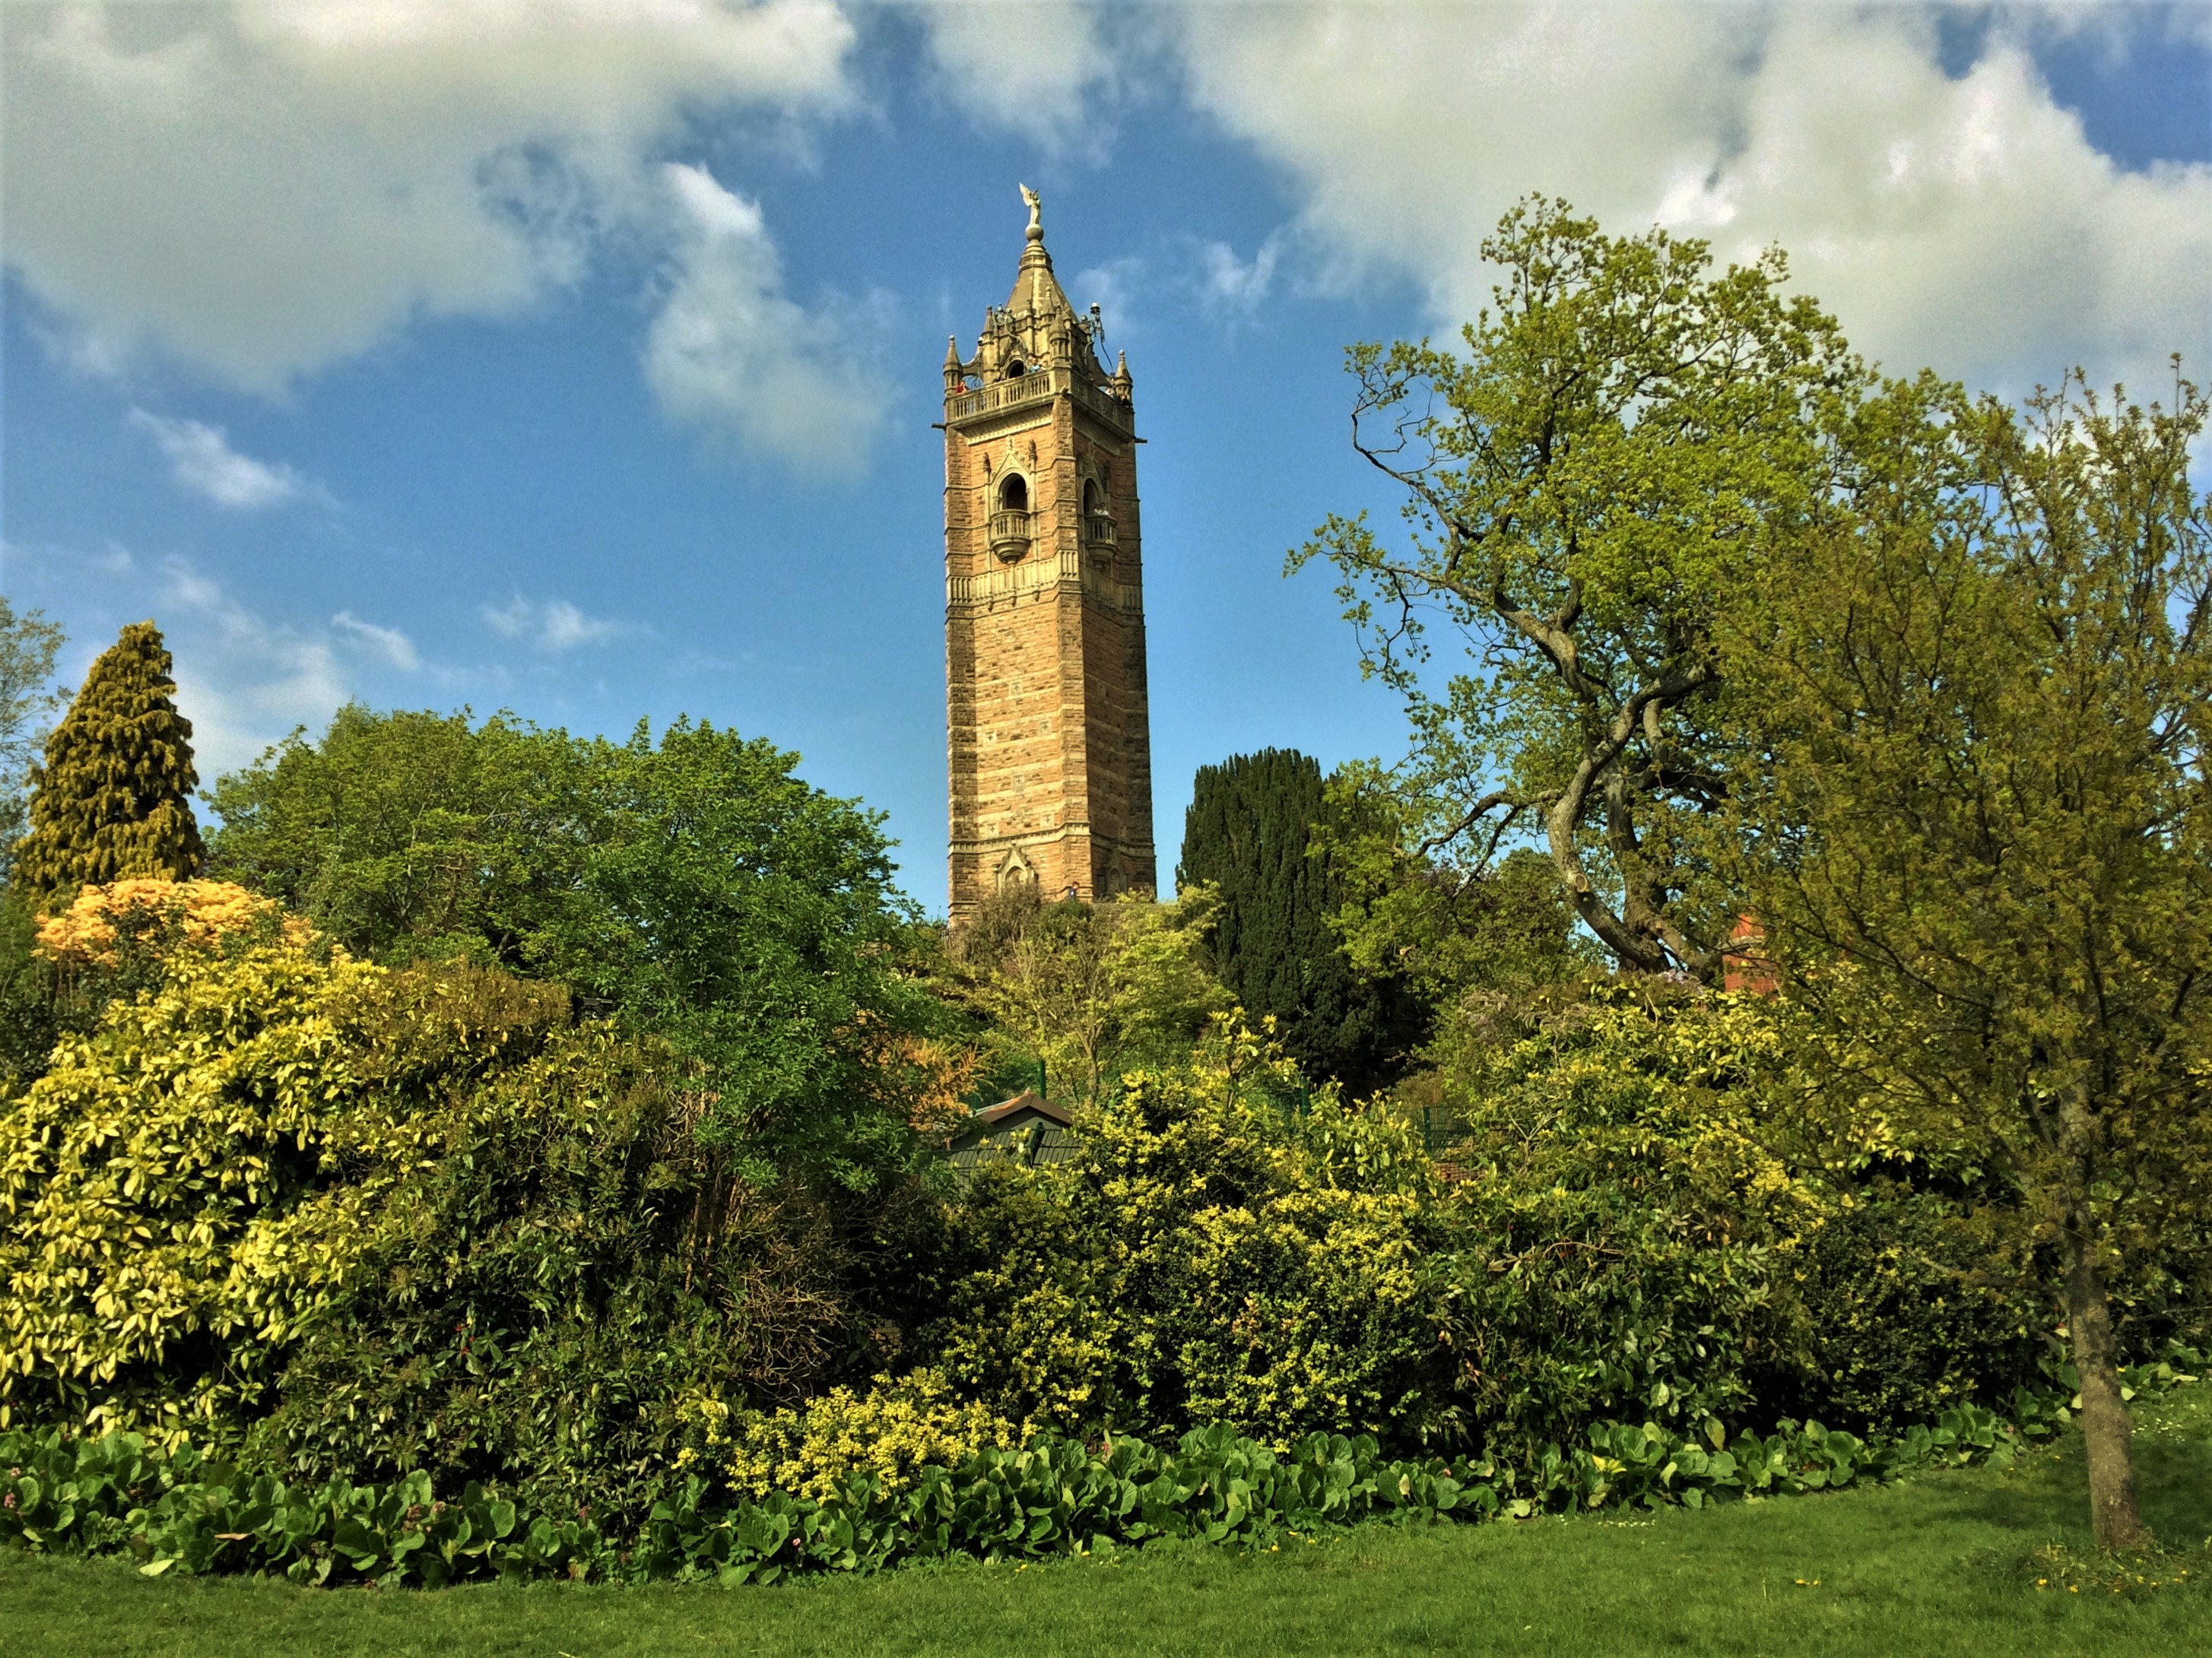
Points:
x=1015, y=369
x=1010, y=519
x=1098, y=522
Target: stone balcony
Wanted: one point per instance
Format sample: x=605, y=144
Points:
x=1012, y=532
x=1098, y=530
x=1039, y=385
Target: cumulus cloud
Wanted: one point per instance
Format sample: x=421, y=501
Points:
x=554, y=625
x=390, y=643
x=730, y=354
x=262, y=189
x=1114, y=287
x=1965, y=223
x=1237, y=287
x=201, y=459
x=244, y=682
x=1029, y=67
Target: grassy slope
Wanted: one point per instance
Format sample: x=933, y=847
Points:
x=1935, y=1566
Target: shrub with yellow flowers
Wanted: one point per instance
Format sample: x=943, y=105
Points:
x=1226, y=1248
x=899, y=1426
x=192, y=1179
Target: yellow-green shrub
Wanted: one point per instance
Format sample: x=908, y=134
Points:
x=1214, y=1255
x=894, y=1430
x=1638, y=1237
x=193, y=1181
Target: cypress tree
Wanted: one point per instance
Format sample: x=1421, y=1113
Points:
x=113, y=799
x=1249, y=830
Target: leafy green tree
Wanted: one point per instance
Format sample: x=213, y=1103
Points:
x=29, y=644
x=113, y=799
x=696, y=889
x=1092, y=991
x=1608, y=468
x=1250, y=832
x=1982, y=853
x=752, y=921
x=1463, y=936
x=409, y=835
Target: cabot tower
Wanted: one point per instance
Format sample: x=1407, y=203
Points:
x=1044, y=620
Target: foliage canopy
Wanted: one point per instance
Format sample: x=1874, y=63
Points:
x=1983, y=849
x=695, y=889
x=1250, y=833
x=1625, y=444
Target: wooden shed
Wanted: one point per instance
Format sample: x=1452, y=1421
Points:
x=1028, y=1129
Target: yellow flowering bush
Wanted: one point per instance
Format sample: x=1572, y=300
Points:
x=194, y=913
x=898, y=1427
x=193, y=1179
x=1640, y=1240
x=1215, y=1254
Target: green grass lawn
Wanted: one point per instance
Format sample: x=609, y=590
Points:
x=1941, y=1564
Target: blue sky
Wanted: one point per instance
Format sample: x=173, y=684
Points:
x=579, y=358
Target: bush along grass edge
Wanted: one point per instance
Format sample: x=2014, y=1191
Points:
x=1056, y=1497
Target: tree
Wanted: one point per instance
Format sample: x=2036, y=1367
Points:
x=1983, y=853
x=1610, y=466
x=1250, y=832
x=29, y=644
x=114, y=797
x=410, y=835
x=1093, y=991
x=695, y=889
x=1499, y=932
x=752, y=921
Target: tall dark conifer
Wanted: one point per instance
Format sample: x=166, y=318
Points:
x=1249, y=830
x=113, y=799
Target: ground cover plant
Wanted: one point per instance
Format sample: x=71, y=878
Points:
x=1945, y=1563
x=1053, y=1497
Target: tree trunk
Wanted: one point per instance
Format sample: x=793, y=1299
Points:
x=2104, y=1430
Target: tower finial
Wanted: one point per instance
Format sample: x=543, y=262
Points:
x=1036, y=214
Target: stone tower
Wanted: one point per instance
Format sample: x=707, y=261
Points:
x=1044, y=620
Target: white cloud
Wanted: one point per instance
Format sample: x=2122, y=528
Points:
x=392, y=645
x=244, y=682
x=730, y=354
x=202, y=461
x=1114, y=287
x=1021, y=64
x=1965, y=223
x=243, y=679
x=1234, y=286
x=555, y=625
x=263, y=188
